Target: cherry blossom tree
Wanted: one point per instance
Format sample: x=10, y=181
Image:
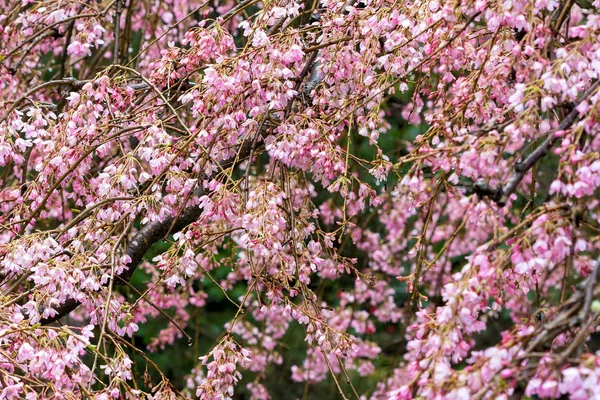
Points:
x=411, y=185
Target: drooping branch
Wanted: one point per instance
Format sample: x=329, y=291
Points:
x=501, y=194
x=144, y=239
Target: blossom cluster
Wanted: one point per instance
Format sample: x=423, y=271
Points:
x=412, y=187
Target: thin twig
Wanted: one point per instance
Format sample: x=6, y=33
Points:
x=157, y=308
x=110, y=290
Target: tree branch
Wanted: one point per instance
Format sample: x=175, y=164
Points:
x=501, y=195
x=146, y=237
